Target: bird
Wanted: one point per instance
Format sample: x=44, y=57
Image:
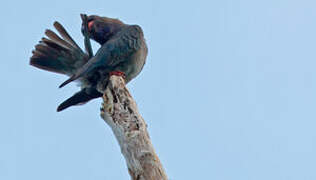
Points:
x=123, y=52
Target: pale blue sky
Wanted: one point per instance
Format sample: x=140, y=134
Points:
x=228, y=92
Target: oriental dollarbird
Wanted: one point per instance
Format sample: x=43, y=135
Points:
x=123, y=52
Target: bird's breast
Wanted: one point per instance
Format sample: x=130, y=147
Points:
x=135, y=63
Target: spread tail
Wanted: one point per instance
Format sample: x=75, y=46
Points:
x=56, y=54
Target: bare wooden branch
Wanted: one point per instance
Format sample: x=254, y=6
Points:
x=120, y=112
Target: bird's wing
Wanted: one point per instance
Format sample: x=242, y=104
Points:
x=81, y=97
x=56, y=54
x=113, y=52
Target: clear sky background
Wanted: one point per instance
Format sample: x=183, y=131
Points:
x=228, y=92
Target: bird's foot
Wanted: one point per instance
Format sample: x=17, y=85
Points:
x=117, y=73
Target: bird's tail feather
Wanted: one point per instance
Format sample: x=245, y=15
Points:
x=56, y=54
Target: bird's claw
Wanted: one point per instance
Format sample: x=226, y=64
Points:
x=117, y=73
x=85, y=30
x=86, y=34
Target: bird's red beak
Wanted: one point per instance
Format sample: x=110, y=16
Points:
x=90, y=24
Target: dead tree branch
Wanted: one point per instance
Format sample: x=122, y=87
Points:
x=120, y=112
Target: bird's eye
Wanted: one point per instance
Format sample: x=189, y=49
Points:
x=90, y=24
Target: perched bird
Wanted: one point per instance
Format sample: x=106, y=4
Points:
x=123, y=52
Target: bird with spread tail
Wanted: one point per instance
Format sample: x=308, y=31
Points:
x=123, y=52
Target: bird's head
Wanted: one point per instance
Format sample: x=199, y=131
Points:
x=101, y=29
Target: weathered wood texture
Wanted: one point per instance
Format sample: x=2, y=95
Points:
x=119, y=111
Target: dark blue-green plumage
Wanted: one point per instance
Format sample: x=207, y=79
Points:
x=123, y=49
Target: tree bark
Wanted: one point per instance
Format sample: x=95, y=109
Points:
x=120, y=112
